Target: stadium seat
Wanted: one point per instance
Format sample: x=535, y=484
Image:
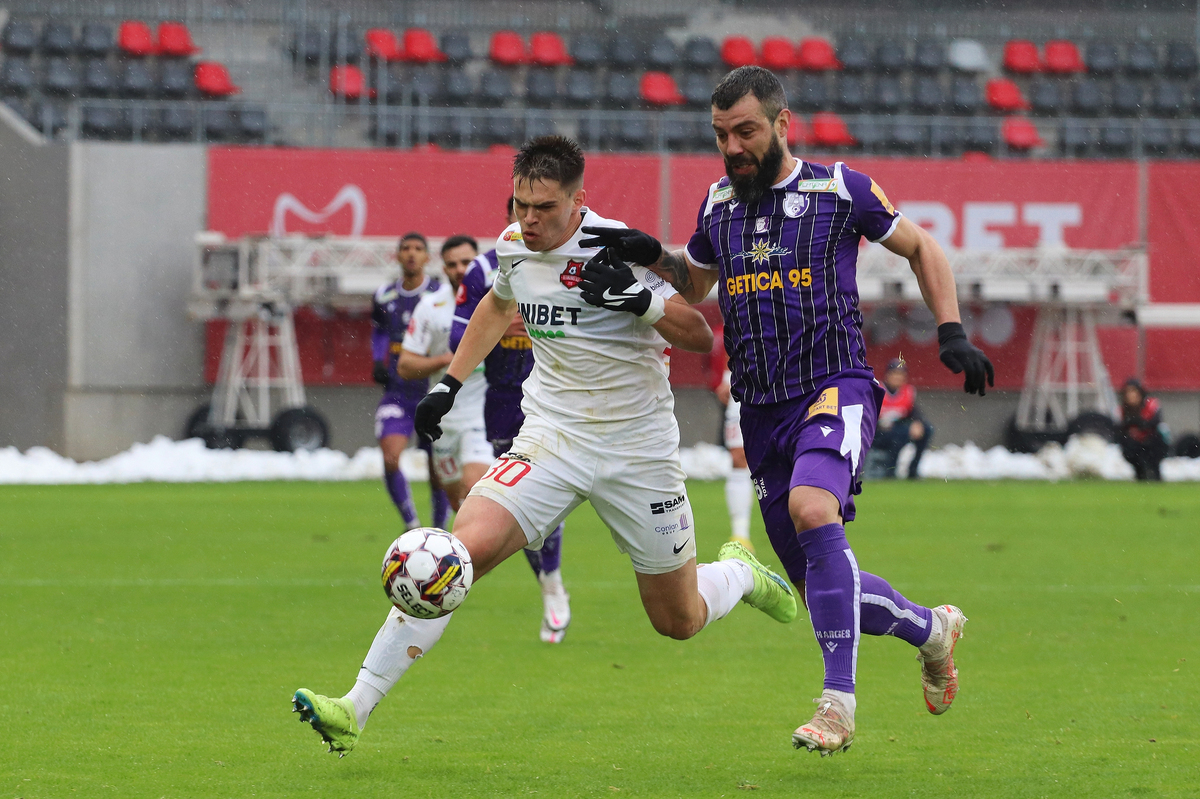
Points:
x=501, y=129
x=135, y=39
x=1062, y=57
x=1181, y=59
x=382, y=45
x=1075, y=138
x=871, y=134
x=581, y=88
x=591, y=133
x=888, y=95
x=96, y=39
x=799, y=134
x=212, y=79
x=345, y=81
x=968, y=55
x=455, y=88
x=175, y=78
x=697, y=89
x=48, y=117
x=1020, y=134
x=738, y=51
x=217, y=123
x=1116, y=139
x=541, y=87
x=852, y=94
x=658, y=90
x=1168, y=98
x=928, y=95
x=1087, y=97
x=16, y=76
x=98, y=78
x=662, y=55
x=345, y=46
x=1101, y=58
x=1021, y=57
x=816, y=55
x=309, y=45
x=19, y=37
x=778, y=54
x=495, y=88
x=58, y=38
x=980, y=134
x=1189, y=139
x=419, y=47
x=891, y=57
x=966, y=97
x=631, y=132
x=587, y=49
x=1157, y=137
x=539, y=125
x=1127, y=98
x=701, y=53
x=104, y=122
x=812, y=93
x=678, y=134
x=178, y=123
x=1004, y=95
x=829, y=130
x=1045, y=97
x=855, y=56
x=1141, y=59
x=907, y=136
x=623, y=52
x=136, y=80
x=930, y=55
x=947, y=137
x=430, y=128
x=456, y=46
x=620, y=90
x=507, y=49
x=547, y=49
x=253, y=124
x=175, y=41
x=62, y=77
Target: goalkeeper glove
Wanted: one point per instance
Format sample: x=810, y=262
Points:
x=961, y=355
x=628, y=244
x=433, y=406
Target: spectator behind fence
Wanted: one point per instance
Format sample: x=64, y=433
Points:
x=899, y=423
x=1143, y=435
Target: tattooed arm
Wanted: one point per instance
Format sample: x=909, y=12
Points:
x=693, y=283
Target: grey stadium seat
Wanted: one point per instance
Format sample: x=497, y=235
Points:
x=1045, y=97
x=16, y=76
x=136, y=80
x=1127, y=98
x=967, y=95
x=58, y=38
x=930, y=55
x=98, y=78
x=696, y=89
x=581, y=88
x=700, y=52
x=1141, y=59
x=891, y=57
x=1168, y=98
x=1189, y=140
x=812, y=93
x=495, y=88
x=855, y=56
x=62, y=77
x=178, y=123
x=541, y=88
x=1102, y=58
x=888, y=94
x=852, y=94
x=1181, y=59
x=1076, y=137
x=19, y=37
x=981, y=134
x=1116, y=138
x=252, y=123
x=621, y=90
x=928, y=95
x=175, y=78
x=908, y=136
x=1087, y=98
x=1157, y=137
x=623, y=52
x=96, y=39
x=217, y=123
x=588, y=50
x=663, y=54
x=456, y=88
x=871, y=132
x=457, y=47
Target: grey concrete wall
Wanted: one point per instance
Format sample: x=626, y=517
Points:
x=134, y=366
x=33, y=288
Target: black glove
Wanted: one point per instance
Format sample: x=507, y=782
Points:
x=433, y=406
x=628, y=244
x=379, y=373
x=960, y=355
x=608, y=282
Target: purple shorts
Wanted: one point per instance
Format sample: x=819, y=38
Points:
x=394, y=416
x=820, y=440
x=502, y=418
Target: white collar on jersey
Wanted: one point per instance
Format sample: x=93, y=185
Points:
x=403, y=292
x=791, y=177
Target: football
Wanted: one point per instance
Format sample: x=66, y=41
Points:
x=427, y=573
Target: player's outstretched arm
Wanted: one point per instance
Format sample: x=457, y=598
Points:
x=929, y=263
x=684, y=327
x=415, y=367
x=645, y=250
x=488, y=324
x=692, y=283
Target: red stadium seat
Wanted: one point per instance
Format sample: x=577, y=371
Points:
x=1004, y=95
x=346, y=80
x=507, y=49
x=1020, y=134
x=1063, y=57
x=1021, y=56
x=134, y=38
x=420, y=47
x=816, y=55
x=798, y=134
x=738, y=51
x=829, y=130
x=382, y=45
x=548, y=50
x=778, y=53
x=175, y=40
x=212, y=79
x=659, y=89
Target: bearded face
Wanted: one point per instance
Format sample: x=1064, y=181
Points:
x=751, y=175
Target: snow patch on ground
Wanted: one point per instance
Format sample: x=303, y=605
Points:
x=164, y=460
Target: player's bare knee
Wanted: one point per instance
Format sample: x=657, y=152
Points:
x=679, y=628
x=812, y=507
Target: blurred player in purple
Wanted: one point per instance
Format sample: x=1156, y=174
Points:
x=779, y=238
x=391, y=310
x=505, y=369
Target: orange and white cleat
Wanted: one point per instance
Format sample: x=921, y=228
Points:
x=831, y=729
x=939, y=677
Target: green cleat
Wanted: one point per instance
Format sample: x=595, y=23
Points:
x=772, y=595
x=334, y=719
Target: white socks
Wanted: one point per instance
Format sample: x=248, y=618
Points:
x=934, y=641
x=399, y=642
x=846, y=699
x=739, y=496
x=722, y=585
x=552, y=582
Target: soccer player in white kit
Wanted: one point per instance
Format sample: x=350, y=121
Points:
x=599, y=426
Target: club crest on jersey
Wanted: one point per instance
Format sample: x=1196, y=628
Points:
x=513, y=235
x=572, y=276
x=460, y=296
x=795, y=204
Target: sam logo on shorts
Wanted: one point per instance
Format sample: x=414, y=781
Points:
x=657, y=508
x=572, y=276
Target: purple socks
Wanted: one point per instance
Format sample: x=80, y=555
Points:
x=397, y=488
x=549, y=557
x=884, y=611
x=441, y=508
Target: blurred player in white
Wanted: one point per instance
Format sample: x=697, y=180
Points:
x=739, y=489
x=463, y=453
x=599, y=426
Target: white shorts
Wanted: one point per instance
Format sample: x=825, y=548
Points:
x=636, y=489
x=457, y=447
x=733, y=425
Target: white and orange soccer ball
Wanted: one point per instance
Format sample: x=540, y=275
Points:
x=427, y=573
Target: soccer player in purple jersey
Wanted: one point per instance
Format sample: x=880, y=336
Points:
x=779, y=238
x=391, y=309
x=505, y=369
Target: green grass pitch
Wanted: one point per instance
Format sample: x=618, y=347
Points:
x=151, y=637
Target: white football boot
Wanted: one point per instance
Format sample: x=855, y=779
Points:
x=831, y=729
x=556, y=608
x=939, y=677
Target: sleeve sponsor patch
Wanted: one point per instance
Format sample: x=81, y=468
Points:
x=878, y=192
x=827, y=404
x=722, y=194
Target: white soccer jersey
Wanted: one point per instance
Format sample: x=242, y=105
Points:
x=428, y=334
x=599, y=373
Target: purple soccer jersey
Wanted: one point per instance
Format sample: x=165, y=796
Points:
x=787, y=277
x=391, y=309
